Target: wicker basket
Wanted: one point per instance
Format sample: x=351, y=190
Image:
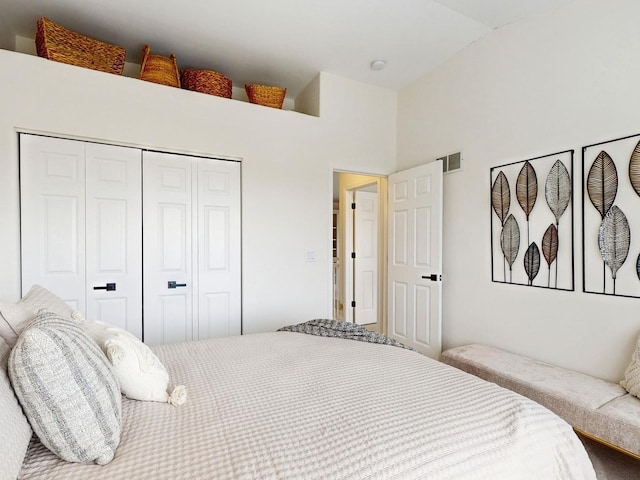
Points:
x=266, y=95
x=58, y=43
x=159, y=69
x=206, y=81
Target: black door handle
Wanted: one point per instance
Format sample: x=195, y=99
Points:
x=174, y=284
x=434, y=277
x=109, y=287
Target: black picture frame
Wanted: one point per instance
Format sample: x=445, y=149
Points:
x=548, y=178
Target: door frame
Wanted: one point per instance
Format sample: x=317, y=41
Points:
x=349, y=182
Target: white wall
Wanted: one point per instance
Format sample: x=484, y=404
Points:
x=287, y=163
x=559, y=81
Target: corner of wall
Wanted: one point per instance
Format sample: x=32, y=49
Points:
x=7, y=37
x=308, y=101
x=24, y=45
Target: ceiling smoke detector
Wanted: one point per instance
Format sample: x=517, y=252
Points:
x=377, y=65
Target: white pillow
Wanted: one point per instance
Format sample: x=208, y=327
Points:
x=67, y=389
x=14, y=317
x=139, y=371
x=631, y=381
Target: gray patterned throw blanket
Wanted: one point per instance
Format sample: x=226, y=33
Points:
x=338, y=329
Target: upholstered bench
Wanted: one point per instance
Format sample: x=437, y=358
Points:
x=597, y=409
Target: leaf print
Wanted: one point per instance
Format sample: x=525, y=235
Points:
x=550, y=244
x=527, y=188
x=634, y=168
x=510, y=240
x=501, y=197
x=614, y=239
x=532, y=262
x=557, y=189
x=602, y=183
x=550, y=250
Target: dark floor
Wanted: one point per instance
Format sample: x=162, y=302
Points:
x=610, y=464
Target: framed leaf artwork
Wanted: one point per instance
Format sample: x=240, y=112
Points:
x=610, y=224
x=532, y=222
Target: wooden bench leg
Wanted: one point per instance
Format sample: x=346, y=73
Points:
x=607, y=444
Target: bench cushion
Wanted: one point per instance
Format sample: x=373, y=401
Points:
x=600, y=408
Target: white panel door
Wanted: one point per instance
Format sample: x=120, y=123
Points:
x=415, y=258
x=52, y=202
x=218, y=307
x=167, y=247
x=365, y=240
x=114, y=236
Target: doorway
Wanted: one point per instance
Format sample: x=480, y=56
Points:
x=408, y=290
x=359, y=242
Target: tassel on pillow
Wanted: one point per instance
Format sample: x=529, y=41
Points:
x=178, y=396
x=139, y=371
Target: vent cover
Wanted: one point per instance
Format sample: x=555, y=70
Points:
x=451, y=162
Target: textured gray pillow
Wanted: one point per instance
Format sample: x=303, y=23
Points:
x=67, y=389
x=15, y=432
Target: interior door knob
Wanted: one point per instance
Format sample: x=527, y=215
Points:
x=434, y=277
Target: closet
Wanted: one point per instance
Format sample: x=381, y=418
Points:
x=147, y=241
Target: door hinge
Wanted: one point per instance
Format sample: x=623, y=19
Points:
x=353, y=254
x=353, y=206
x=353, y=304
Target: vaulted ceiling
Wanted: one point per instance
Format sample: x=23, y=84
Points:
x=285, y=42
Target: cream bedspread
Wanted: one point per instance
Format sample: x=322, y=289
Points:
x=293, y=406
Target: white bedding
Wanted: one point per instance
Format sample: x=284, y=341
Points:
x=293, y=406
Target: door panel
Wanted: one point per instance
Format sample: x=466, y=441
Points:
x=423, y=237
x=217, y=308
x=114, y=237
x=174, y=317
x=218, y=264
x=52, y=196
x=216, y=245
x=366, y=261
x=415, y=253
x=61, y=242
x=398, y=301
x=167, y=248
x=174, y=222
x=423, y=307
x=114, y=310
x=399, y=228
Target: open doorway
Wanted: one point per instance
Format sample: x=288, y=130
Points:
x=359, y=243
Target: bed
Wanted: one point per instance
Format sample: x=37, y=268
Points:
x=288, y=405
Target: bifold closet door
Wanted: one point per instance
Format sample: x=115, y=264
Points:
x=167, y=242
x=218, y=311
x=80, y=226
x=191, y=211
x=114, y=235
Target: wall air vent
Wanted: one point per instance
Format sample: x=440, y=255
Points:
x=452, y=162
